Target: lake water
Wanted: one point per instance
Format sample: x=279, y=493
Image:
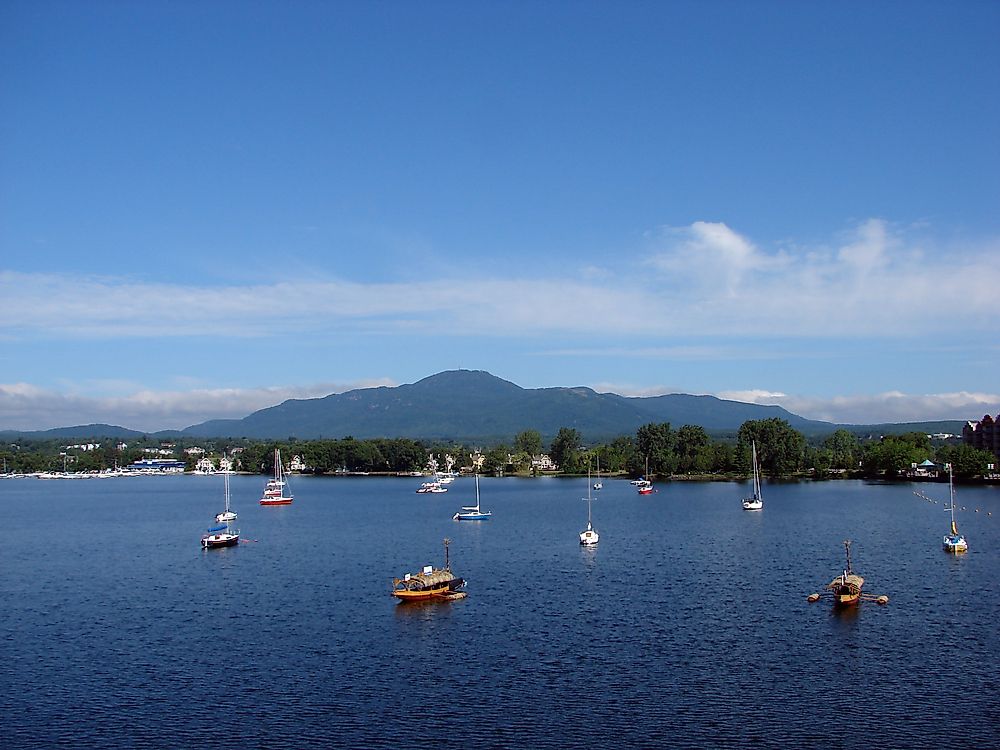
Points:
x=686, y=627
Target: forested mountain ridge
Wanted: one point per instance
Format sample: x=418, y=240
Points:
x=473, y=404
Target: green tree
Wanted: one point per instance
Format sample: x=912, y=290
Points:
x=967, y=462
x=692, y=440
x=618, y=455
x=528, y=441
x=845, y=450
x=895, y=454
x=495, y=460
x=780, y=448
x=565, y=450
x=655, y=441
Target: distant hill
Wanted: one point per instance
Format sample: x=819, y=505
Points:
x=79, y=431
x=475, y=405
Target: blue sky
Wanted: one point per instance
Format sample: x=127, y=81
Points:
x=206, y=208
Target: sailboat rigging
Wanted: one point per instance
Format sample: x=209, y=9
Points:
x=222, y=535
x=228, y=514
x=953, y=542
x=589, y=536
x=274, y=490
x=755, y=501
x=473, y=512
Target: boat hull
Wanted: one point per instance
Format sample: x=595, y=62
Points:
x=215, y=541
x=420, y=596
x=753, y=504
x=444, y=590
x=846, y=589
x=276, y=501
x=589, y=538
x=471, y=516
x=955, y=544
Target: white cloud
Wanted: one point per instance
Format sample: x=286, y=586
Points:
x=702, y=280
x=28, y=407
x=891, y=406
x=876, y=281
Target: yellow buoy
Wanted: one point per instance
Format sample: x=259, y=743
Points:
x=882, y=599
x=812, y=598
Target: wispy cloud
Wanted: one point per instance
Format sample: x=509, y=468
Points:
x=702, y=280
x=878, y=408
x=28, y=407
x=875, y=280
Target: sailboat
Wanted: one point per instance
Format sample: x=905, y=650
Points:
x=430, y=583
x=222, y=535
x=274, y=490
x=589, y=536
x=643, y=484
x=846, y=587
x=754, y=502
x=954, y=542
x=473, y=512
x=227, y=515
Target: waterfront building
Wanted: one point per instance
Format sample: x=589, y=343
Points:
x=984, y=434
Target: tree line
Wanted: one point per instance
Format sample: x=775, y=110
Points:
x=656, y=448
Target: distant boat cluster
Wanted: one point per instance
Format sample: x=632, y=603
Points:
x=142, y=468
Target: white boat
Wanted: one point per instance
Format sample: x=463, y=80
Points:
x=274, y=490
x=228, y=514
x=598, y=485
x=222, y=535
x=589, y=536
x=432, y=488
x=643, y=485
x=473, y=512
x=755, y=501
x=953, y=542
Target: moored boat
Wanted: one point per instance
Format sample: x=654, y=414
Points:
x=644, y=485
x=433, y=488
x=220, y=536
x=847, y=586
x=228, y=515
x=274, y=490
x=473, y=512
x=430, y=583
x=589, y=536
x=755, y=501
x=953, y=542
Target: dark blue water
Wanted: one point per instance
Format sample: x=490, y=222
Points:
x=686, y=627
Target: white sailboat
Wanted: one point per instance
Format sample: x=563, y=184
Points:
x=598, y=485
x=473, y=512
x=223, y=534
x=228, y=514
x=754, y=502
x=643, y=485
x=274, y=490
x=953, y=542
x=589, y=536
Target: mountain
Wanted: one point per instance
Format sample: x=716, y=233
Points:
x=79, y=431
x=472, y=404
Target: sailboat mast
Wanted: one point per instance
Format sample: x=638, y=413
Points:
x=588, y=495
x=951, y=492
